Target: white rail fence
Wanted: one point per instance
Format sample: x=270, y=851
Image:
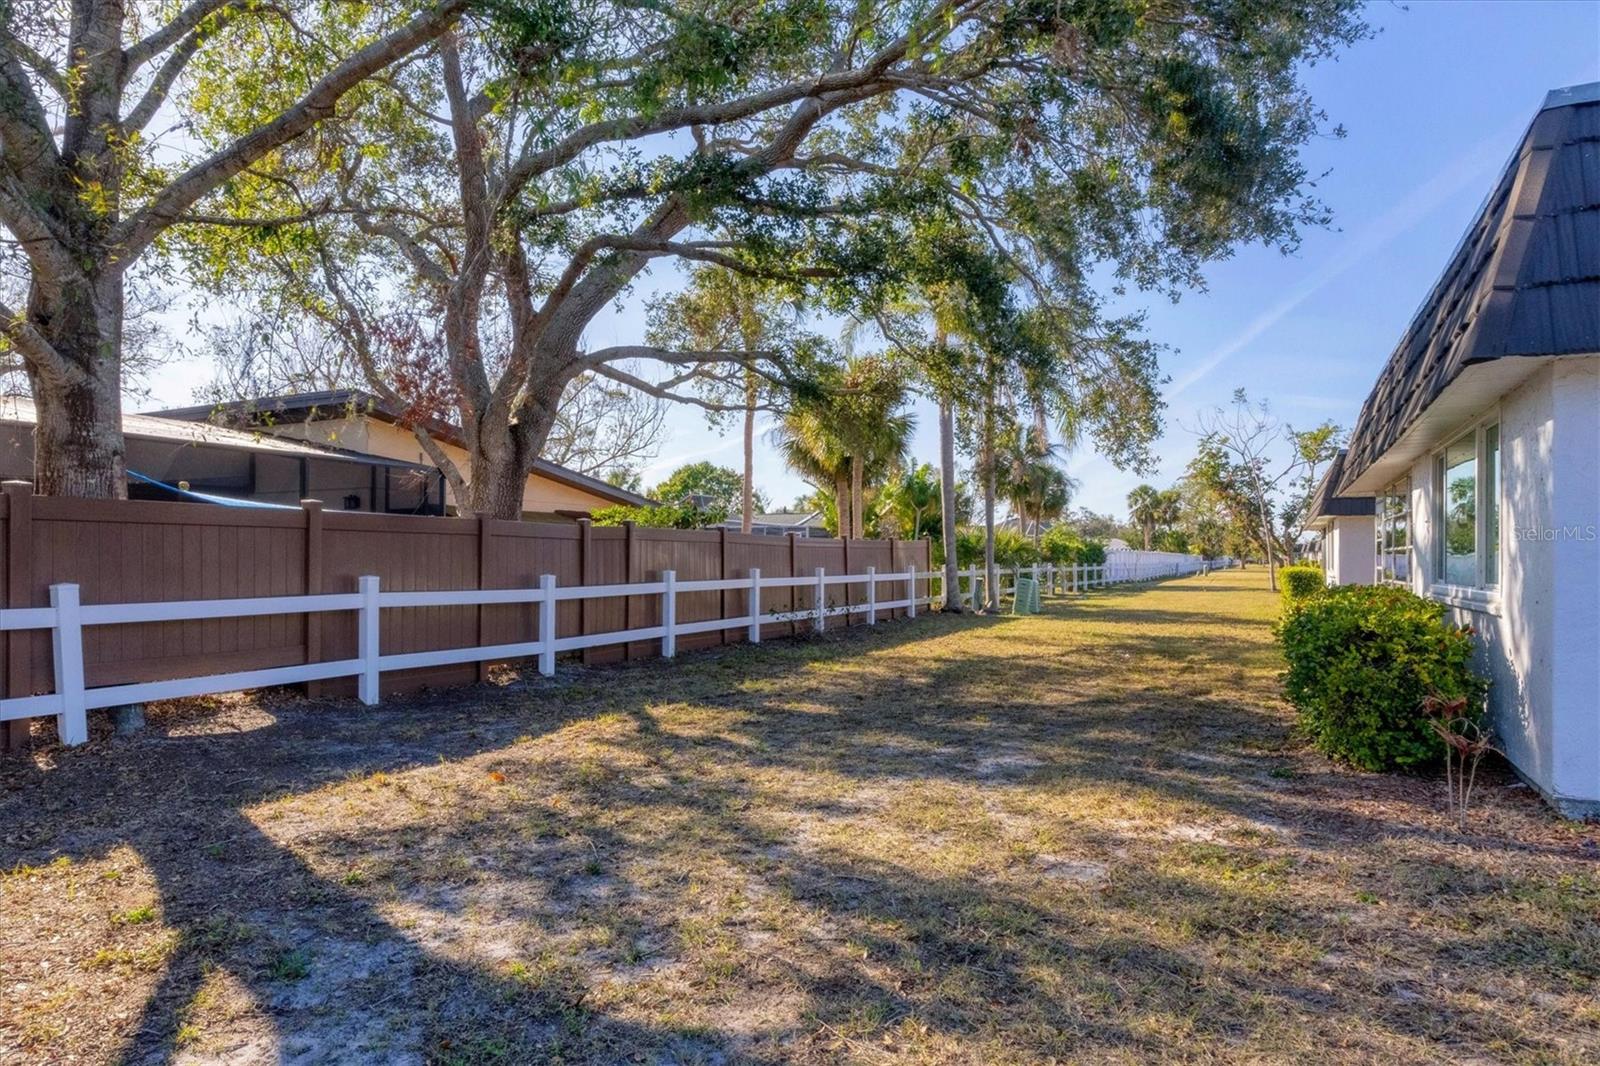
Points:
x=66, y=618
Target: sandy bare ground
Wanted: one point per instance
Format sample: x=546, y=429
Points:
x=1087, y=836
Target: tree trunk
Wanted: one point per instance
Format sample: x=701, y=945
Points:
x=990, y=573
x=504, y=443
x=1267, y=536
x=986, y=461
x=841, y=502
x=858, y=498
x=747, y=490
x=78, y=443
x=947, y=503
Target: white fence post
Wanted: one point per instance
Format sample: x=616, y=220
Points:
x=669, y=614
x=822, y=600
x=755, y=606
x=367, y=639
x=872, y=595
x=547, y=625
x=66, y=642
x=911, y=588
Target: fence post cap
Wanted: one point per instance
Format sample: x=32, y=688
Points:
x=585, y=521
x=311, y=505
x=17, y=487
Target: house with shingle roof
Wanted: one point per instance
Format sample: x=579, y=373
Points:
x=1479, y=452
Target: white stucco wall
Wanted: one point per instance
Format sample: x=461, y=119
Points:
x=1539, y=635
x=1350, y=554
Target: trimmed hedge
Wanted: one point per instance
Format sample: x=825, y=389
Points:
x=1300, y=582
x=1361, y=660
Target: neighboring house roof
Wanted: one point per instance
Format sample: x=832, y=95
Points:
x=782, y=520
x=1524, y=280
x=1325, y=504
x=21, y=411
x=789, y=518
x=345, y=403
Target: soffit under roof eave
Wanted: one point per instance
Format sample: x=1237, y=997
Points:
x=1474, y=391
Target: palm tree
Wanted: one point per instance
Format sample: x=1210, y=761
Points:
x=723, y=309
x=1144, y=508
x=855, y=433
x=913, y=500
x=872, y=427
x=1169, y=508
x=811, y=449
x=1039, y=492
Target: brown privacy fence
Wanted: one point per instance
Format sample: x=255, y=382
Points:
x=124, y=552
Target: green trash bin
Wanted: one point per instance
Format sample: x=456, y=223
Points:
x=1025, y=596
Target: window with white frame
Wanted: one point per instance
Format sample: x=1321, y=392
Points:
x=1392, y=527
x=1467, y=514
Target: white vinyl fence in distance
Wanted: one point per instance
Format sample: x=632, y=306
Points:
x=66, y=619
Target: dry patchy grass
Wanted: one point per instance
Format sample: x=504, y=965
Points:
x=1086, y=836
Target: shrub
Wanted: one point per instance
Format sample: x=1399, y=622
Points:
x=1362, y=659
x=1013, y=549
x=1062, y=546
x=661, y=516
x=1301, y=582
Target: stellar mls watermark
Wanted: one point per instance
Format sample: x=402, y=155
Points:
x=1590, y=532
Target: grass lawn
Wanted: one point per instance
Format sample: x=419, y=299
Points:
x=1085, y=836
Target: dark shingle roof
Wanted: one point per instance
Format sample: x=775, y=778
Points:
x=1323, y=500
x=1524, y=281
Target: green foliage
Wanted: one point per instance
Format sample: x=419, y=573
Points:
x=1362, y=659
x=1300, y=582
x=721, y=487
x=910, y=505
x=1063, y=546
x=1171, y=540
x=661, y=516
x=1013, y=549
x=850, y=437
x=969, y=549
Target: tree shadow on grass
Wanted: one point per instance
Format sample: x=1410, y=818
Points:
x=303, y=919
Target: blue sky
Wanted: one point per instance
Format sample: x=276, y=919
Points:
x=1433, y=107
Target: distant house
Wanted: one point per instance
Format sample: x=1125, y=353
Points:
x=170, y=459
x=359, y=423
x=1344, y=524
x=1479, y=449
x=1117, y=544
x=782, y=523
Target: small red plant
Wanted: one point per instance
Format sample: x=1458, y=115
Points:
x=1465, y=744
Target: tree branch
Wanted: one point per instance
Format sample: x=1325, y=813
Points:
x=45, y=69
x=651, y=389
x=174, y=31
x=156, y=94
x=38, y=352
x=136, y=232
x=25, y=141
